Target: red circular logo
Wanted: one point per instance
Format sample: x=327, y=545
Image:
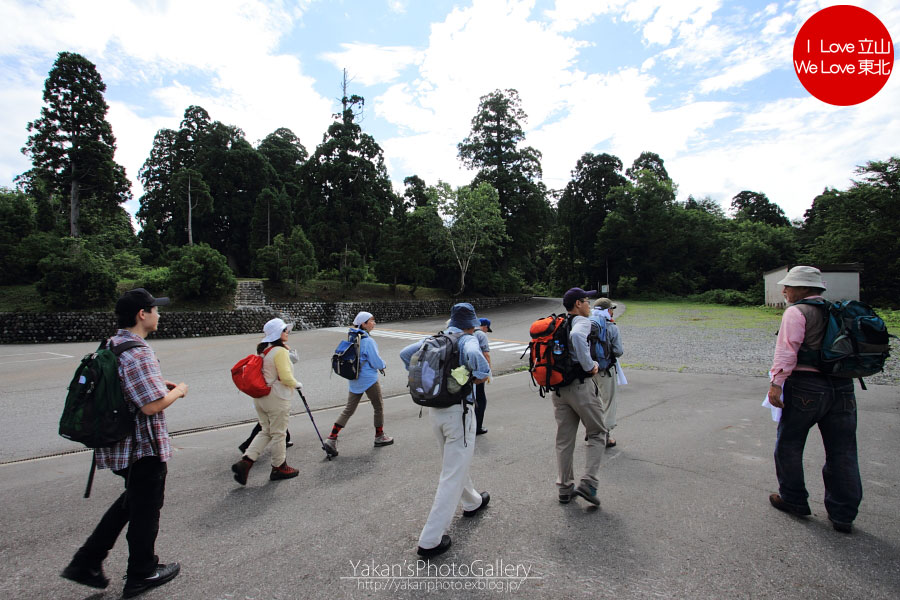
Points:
x=843, y=55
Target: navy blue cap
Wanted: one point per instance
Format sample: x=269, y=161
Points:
x=574, y=295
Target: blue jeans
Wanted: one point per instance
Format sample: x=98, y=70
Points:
x=829, y=402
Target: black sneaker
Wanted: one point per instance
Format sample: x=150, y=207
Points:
x=841, y=526
x=86, y=576
x=437, y=550
x=160, y=575
x=485, y=498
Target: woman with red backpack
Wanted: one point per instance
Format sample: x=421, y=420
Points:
x=273, y=409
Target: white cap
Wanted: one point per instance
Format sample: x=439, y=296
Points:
x=273, y=329
x=362, y=317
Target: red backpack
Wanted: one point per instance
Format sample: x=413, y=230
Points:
x=248, y=376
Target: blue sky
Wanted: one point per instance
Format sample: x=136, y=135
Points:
x=706, y=84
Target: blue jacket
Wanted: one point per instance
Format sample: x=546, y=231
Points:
x=369, y=363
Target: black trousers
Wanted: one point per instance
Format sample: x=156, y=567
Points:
x=480, y=405
x=256, y=429
x=139, y=507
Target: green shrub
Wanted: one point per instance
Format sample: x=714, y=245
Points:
x=20, y=264
x=126, y=264
x=328, y=275
x=726, y=297
x=156, y=280
x=626, y=287
x=200, y=272
x=80, y=279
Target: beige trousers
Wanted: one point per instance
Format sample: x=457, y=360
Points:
x=575, y=404
x=273, y=418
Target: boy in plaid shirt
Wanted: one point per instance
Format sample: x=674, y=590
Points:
x=140, y=459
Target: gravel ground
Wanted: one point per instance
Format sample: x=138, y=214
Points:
x=694, y=349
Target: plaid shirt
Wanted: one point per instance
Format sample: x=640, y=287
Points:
x=142, y=383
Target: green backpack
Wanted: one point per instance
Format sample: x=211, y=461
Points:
x=96, y=413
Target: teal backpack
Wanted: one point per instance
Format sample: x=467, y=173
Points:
x=855, y=343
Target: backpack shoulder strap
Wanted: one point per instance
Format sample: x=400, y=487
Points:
x=117, y=350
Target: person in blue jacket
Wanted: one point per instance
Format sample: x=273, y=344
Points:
x=370, y=363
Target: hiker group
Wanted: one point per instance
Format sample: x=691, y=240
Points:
x=573, y=357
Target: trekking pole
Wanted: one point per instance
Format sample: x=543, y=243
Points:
x=329, y=451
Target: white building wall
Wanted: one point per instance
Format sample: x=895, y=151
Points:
x=841, y=286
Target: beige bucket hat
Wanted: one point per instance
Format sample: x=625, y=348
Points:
x=802, y=276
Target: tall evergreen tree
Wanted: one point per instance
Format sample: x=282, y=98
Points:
x=348, y=190
x=72, y=145
x=582, y=209
x=495, y=149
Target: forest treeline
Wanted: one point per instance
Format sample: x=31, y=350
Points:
x=215, y=206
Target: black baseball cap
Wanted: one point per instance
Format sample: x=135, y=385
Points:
x=134, y=300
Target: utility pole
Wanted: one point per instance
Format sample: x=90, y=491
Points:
x=190, y=208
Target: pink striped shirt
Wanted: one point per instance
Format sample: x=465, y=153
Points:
x=790, y=337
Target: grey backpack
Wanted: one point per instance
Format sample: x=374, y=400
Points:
x=430, y=381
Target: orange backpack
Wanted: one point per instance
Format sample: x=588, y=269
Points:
x=549, y=359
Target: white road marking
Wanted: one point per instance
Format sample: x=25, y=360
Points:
x=41, y=356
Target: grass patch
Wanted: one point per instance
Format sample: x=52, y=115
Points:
x=644, y=313
x=891, y=318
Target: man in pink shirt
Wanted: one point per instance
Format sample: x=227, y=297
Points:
x=809, y=398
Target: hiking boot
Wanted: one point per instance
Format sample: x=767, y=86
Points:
x=383, y=440
x=92, y=577
x=283, y=472
x=332, y=444
x=792, y=509
x=588, y=492
x=241, y=468
x=160, y=575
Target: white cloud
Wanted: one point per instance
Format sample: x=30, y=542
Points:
x=370, y=64
x=222, y=55
x=792, y=149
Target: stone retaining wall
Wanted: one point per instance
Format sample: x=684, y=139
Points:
x=34, y=328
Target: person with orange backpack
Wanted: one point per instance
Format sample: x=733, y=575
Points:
x=274, y=408
x=576, y=400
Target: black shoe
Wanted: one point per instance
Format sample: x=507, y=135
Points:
x=288, y=444
x=840, y=526
x=243, y=447
x=485, y=498
x=86, y=576
x=792, y=509
x=565, y=497
x=437, y=550
x=481, y=431
x=160, y=575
